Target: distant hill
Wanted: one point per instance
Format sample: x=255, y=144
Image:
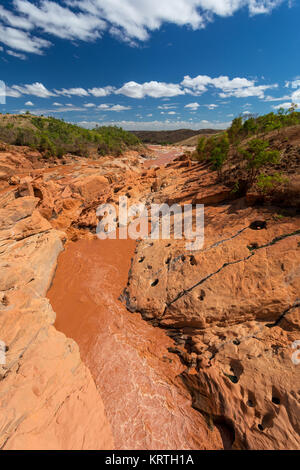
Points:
x=170, y=137
x=55, y=137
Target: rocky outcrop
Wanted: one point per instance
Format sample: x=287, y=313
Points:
x=232, y=309
x=48, y=399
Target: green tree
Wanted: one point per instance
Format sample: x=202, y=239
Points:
x=235, y=131
x=201, y=148
x=219, y=152
x=257, y=154
x=269, y=183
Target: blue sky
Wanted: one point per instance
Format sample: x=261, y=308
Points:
x=149, y=64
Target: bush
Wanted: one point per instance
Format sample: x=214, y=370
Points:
x=55, y=137
x=262, y=124
x=270, y=183
x=214, y=150
x=219, y=152
x=257, y=154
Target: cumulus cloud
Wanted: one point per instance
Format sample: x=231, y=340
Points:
x=60, y=21
x=159, y=125
x=236, y=87
x=192, y=106
x=136, y=19
x=22, y=40
x=101, y=92
x=117, y=108
x=72, y=91
x=283, y=106
x=211, y=106
x=29, y=103
x=152, y=89
x=18, y=55
x=127, y=20
x=89, y=105
x=296, y=96
x=14, y=20
x=35, y=89
x=293, y=83
x=281, y=98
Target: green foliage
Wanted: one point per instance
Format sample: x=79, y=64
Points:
x=214, y=149
x=54, y=137
x=201, y=148
x=219, y=151
x=236, y=130
x=269, y=183
x=253, y=126
x=257, y=154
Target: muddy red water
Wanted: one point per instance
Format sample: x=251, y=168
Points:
x=163, y=155
x=138, y=379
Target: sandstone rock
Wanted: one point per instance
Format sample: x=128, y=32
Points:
x=233, y=310
x=48, y=399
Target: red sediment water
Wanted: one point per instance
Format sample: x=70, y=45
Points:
x=164, y=155
x=138, y=379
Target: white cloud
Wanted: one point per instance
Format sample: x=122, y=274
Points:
x=296, y=96
x=21, y=40
x=153, y=89
x=72, y=91
x=59, y=21
x=13, y=20
x=160, y=125
x=35, y=89
x=258, y=7
x=57, y=104
x=211, y=106
x=283, y=106
x=281, y=98
x=128, y=20
x=18, y=55
x=29, y=103
x=101, y=92
x=167, y=106
x=293, y=83
x=10, y=92
x=192, y=106
x=117, y=108
x=135, y=19
x=89, y=105
x=237, y=87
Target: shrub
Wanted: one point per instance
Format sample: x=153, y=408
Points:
x=257, y=154
x=214, y=150
x=219, y=152
x=269, y=183
x=55, y=137
x=201, y=148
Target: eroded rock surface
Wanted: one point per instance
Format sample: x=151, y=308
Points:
x=232, y=309
x=48, y=399
x=220, y=322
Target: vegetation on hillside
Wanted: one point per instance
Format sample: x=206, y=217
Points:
x=246, y=141
x=169, y=137
x=54, y=137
